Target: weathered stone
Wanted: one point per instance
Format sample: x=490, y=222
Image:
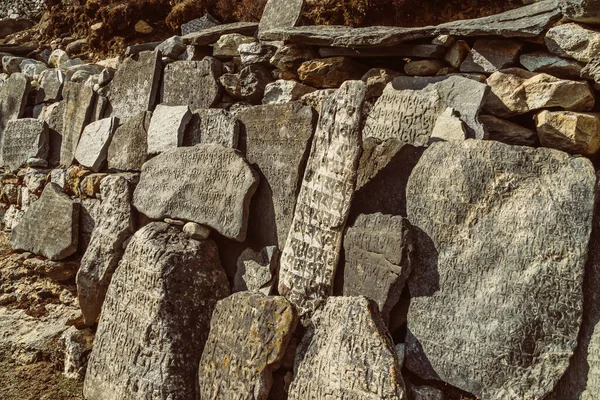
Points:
x=586, y=11
x=466, y=201
x=310, y=256
x=23, y=139
x=50, y=226
x=79, y=104
x=376, y=80
x=284, y=91
x=172, y=47
x=409, y=108
x=90, y=185
x=289, y=57
x=573, y=41
x=280, y=14
x=212, y=126
x=507, y=132
x=77, y=346
x=196, y=231
x=12, y=217
x=89, y=212
x=424, y=393
x=136, y=49
x=491, y=55
x=135, y=85
x=249, y=334
x=143, y=27
x=13, y=98
x=257, y=271
x=448, y=126
x=199, y=24
x=577, y=133
x=457, y=53
x=155, y=317
x=227, y=45
x=167, y=127
x=277, y=141
x=330, y=72
x=515, y=91
x=58, y=59
x=213, y=186
x=253, y=80
x=51, y=84
x=32, y=69
x=92, y=149
x=316, y=98
x=378, y=250
x=192, y=83
x=592, y=69
x=11, y=64
x=541, y=61
x=128, y=148
x=423, y=67
x=211, y=35
x=256, y=53
x=347, y=354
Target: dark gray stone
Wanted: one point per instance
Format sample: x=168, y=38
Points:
x=13, y=98
x=128, y=148
x=280, y=14
x=79, y=105
x=212, y=126
x=491, y=55
x=508, y=132
x=23, y=139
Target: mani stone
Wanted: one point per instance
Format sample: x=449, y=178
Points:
x=508, y=132
x=277, y=141
x=586, y=11
x=114, y=225
x=256, y=271
x=128, y=148
x=509, y=314
x=167, y=127
x=280, y=14
x=135, y=85
x=410, y=107
x=347, y=354
x=13, y=98
x=79, y=103
x=378, y=250
x=541, y=61
x=51, y=84
x=330, y=72
x=93, y=145
x=515, y=91
x=22, y=140
x=192, y=83
x=207, y=184
x=310, y=256
x=573, y=41
x=198, y=24
x=491, y=55
x=50, y=226
x=249, y=335
x=155, y=317
x=212, y=126
x=577, y=133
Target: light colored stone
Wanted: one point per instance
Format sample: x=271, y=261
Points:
x=23, y=139
x=573, y=41
x=167, y=127
x=51, y=84
x=376, y=80
x=586, y=11
x=256, y=53
x=491, y=55
x=78, y=108
x=423, y=67
x=330, y=72
x=210, y=36
x=227, y=45
x=192, y=83
x=457, y=53
x=172, y=47
x=280, y=14
x=77, y=346
x=284, y=91
x=128, y=148
x=257, y=271
x=289, y=57
x=196, y=231
x=577, y=133
x=143, y=27
x=93, y=146
x=58, y=59
x=13, y=98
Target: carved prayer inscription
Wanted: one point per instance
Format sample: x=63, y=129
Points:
x=23, y=139
x=192, y=83
x=212, y=126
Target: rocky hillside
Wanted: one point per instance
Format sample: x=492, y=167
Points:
x=278, y=210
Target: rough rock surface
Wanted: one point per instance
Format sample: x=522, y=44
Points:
x=128, y=148
x=212, y=126
x=330, y=72
x=93, y=145
x=573, y=41
x=491, y=55
x=541, y=61
x=13, y=98
x=211, y=35
x=207, y=184
x=495, y=306
x=310, y=256
x=577, y=133
x=167, y=128
x=256, y=271
x=23, y=139
x=79, y=103
x=280, y=14
x=249, y=334
x=148, y=345
x=586, y=11
x=192, y=83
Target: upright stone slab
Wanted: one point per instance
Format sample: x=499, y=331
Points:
x=93, y=146
x=135, y=85
x=499, y=278
x=50, y=226
x=347, y=354
x=24, y=139
x=51, y=85
x=207, y=184
x=155, y=318
x=277, y=142
x=13, y=98
x=192, y=83
x=310, y=256
x=167, y=127
x=249, y=334
x=378, y=250
x=114, y=225
x=128, y=148
x=212, y=126
x=280, y=14
x=410, y=107
x=79, y=104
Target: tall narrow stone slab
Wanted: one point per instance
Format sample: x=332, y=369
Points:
x=13, y=98
x=212, y=126
x=167, y=127
x=192, y=83
x=347, y=354
x=128, y=148
x=135, y=85
x=249, y=334
x=207, y=184
x=277, y=143
x=50, y=226
x=155, y=317
x=79, y=104
x=310, y=256
x=93, y=146
x=114, y=225
x=280, y=14
x=410, y=107
x=499, y=278
x=24, y=139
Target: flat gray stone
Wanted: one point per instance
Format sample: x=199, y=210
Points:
x=310, y=256
x=284, y=91
x=510, y=314
x=79, y=105
x=256, y=53
x=128, y=148
x=541, y=61
x=167, y=127
x=155, y=317
x=51, y=85
x=280, y=14
x=172, y=47
x=50, y=226
x=207, y=184
x=491, y=55
x=400, y=50
x=23, y=139
x=257, y=271
x=249, y=335
x=92, y=149
x=210, y=36
x=212, y=126
x=13, y=98
x=573, y=41
x=192, y=83
x=199, y=24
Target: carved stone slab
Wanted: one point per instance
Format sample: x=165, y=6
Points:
x=280, y=14
x=23, y=139
x=13, y=98
x=50, y=226
x=249, y=334
x=497, y=297
x=93, y=146
x=167, y=127
x=207, y=184
x=277, y=142
x=79, y=103
x=128, y=148
x=410, y=107
x=310, y=256
x=212, y=126
x=198, y=24
x=113, y=226
x=347, y=354
x=192, y=83
x=155, y=317
x=377, y=250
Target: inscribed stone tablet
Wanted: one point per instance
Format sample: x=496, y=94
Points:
x=23, y=139
x=128, y=148
x=212, y=126
x=79, y=103
x=497, y=297
x=280, y=14
x=192, y=83
x=13, y=98
x=207, y=184
x=310, y=256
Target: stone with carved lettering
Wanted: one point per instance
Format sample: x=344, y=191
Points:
x=310, y=256
x=208, y=184
x=510, y=314
x=192, y=83
x=167, y=127
x=79, y=103
x=93, y=146
x=13, y=98
x=155, y=317
x=23, y=139
x=128, y=148
x=212, y=126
